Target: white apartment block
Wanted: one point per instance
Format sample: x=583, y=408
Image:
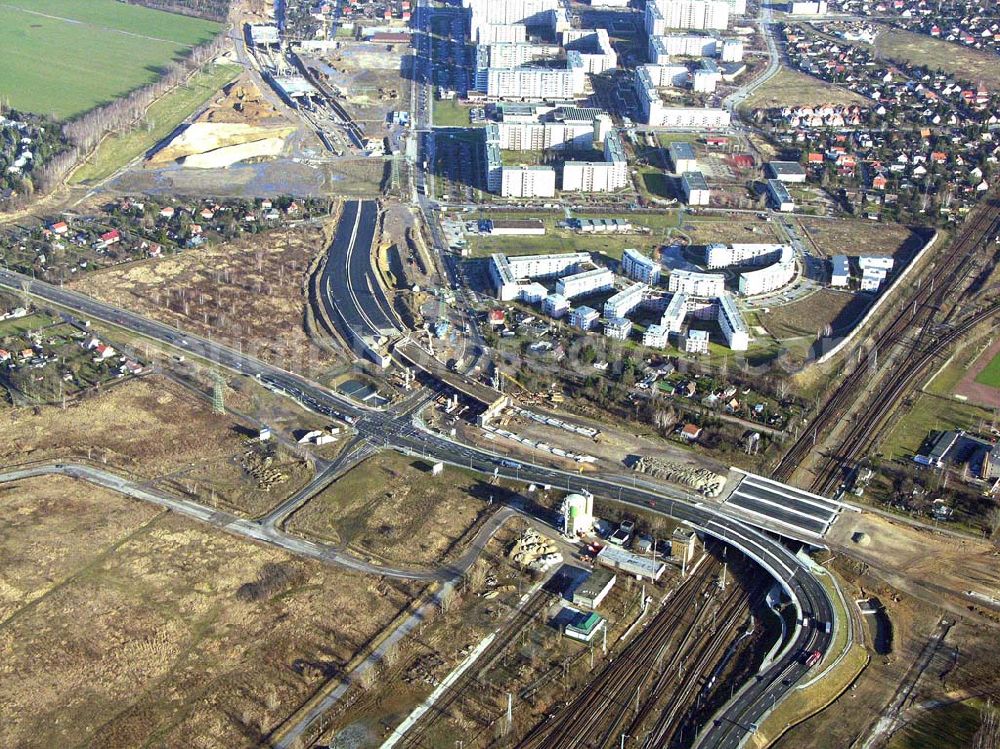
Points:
x=510, y=274
x=685, y=45
x=720, y=255
x=555, y=306
x=872, y=278
x=656, y=336
x=734, y=328
x=779, y=197
x=692, y=283
x=506, y=12
x=584, y=318
x=732, y=50
x=513, y=54
x=618, y=328
x=696, y=342
x=875, y=262
x=655, y=112
x=492, y=159
x=700, y=15
x=546, y=266
x=527, y=181
x=533, y=293
x=594, y=46
x=683, y=157
x=638, y=267
x=592, y=176
x=529, y=83
x=695, y=188
x=588, y=282
x=543, y=136
x=662, y=76
x=673, y=316
x=770, y=278
x=490, y=33
x=706, y=78
x=625, y=301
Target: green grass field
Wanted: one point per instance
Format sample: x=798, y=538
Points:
x=991, y=373
x=163, y=116
x=64, y=57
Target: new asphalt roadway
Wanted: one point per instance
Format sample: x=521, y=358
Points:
x=408, y=434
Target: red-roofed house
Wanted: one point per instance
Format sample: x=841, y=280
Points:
x=4, y=355
x=815, y=158
x=59, y=227
x=104, y=351
x=496, y=317
x=110, y=237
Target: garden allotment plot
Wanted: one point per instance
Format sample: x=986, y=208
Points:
x=64, y=57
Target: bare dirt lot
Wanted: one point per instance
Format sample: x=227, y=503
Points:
x=856, y=236
x=156, y=631
x=964, y=667
x=250, y=294
x=392, y=508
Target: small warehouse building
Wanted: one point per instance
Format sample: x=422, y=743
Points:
x=616, y=558
x=585, y=627
x=594, y=589
x=683, y=158
x=779, y=197
x=841, y=274
x=786, y=171
x=695, y=188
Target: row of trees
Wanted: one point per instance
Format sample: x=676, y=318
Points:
x=213, y=10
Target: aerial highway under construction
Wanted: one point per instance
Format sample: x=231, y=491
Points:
x=406, y=433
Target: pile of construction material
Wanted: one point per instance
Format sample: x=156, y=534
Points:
x=259, y=467
x=533, y=551
x=703, y=480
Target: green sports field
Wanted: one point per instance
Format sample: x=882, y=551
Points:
x=991, y=373
x=63, y=57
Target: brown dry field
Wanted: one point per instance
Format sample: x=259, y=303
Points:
x=152, y=428
x=146, y=426
x=736, y=228
x=390, y=507
x=250, y=293
x=792, y=88
x=807, y=316
x=856, y=236
x=156, y=631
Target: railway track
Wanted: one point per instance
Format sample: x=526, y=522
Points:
x=950, y=270
x=599, y=712
x=462, y=687
x=703, y=655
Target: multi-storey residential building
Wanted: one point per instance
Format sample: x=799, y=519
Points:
x=682, y=157
x=692, y=283
x=638, y=267
x=618, y=328
x=770, y=278
x=583, y=317
x=588, y=282
x=719, y=255
x=527, y=181
x=656, y=336
x=625, y=301
x=510, y=275
x=492, y=160
x=700, y=15
x=734, y=328
x=594, y=47
x=555, y=305
x=673, y=316
x=599, y=176
x=485, y=13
